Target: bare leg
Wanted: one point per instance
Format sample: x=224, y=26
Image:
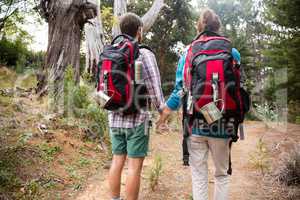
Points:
x=115, y=173
x=135, y=166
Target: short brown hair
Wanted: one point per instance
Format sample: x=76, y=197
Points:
x=130, y=24
x=209, y=21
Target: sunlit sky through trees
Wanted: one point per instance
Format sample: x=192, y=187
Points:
x=40, y=33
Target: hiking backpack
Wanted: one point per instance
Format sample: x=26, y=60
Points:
x=116, y=76
x=209, y=61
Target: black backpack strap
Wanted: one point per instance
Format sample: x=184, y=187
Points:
x=121, y=35
x=185, y=150
x=229, y=171
x=186, y=132
x=143, y=46
x=207, y=32
x=233, y=139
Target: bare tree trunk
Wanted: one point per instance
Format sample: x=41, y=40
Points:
x=94, y=41
x=66, y=19
x=120, y=8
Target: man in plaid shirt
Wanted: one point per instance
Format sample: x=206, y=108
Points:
x=128, y=133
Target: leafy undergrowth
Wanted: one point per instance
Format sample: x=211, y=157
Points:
x=44, y=156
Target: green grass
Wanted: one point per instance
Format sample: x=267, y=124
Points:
x=49, y=152
x=298, y=120
x=25, y=167
x=28, y=81
x=73, y=173
x=155, y=172
x=13, y=163
x=7, y=78
x=5, y=101
x=84, y=162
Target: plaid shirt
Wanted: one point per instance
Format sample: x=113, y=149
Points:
x=152, y=80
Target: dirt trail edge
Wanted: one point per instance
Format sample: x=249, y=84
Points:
x=175, y=181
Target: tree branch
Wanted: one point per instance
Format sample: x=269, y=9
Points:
x=89, y=9
x=120, y=7
x=3, y=20
x=44, y=9
x=150, y=17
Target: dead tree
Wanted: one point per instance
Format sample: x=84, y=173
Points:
x=94, y=40
x=94, y=31
x=120, y=7
x=66, y=19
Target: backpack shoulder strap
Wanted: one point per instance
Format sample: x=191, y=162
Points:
x=206, y=32
x=121, y=36
x=206, y=36
x=143, y=46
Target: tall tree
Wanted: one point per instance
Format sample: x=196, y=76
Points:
x=66, y=20
x=285, y=41
x=283, y=52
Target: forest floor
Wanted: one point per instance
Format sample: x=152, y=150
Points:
x=41, y=156
x=47, y=158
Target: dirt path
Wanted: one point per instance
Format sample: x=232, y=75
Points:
x=175, y=182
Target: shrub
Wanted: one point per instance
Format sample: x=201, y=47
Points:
x=35, y=59
x=77, y=100
x=12, y=52
x=15, y=53
x=155, y=172
x=80, y=97
x=289, y=170
x=98, y=119
x=293, y=112
x=251, y=116
x=260, y=158
x=267, y=112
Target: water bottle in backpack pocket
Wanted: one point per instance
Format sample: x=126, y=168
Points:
x=116, y=76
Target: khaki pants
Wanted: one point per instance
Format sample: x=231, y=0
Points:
x=198, y=149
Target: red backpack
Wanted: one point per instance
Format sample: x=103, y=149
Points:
x=209, y=60
x=116, y=76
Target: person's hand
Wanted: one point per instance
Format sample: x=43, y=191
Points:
x=160, y=124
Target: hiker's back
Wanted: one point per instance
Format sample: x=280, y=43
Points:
x=212, y=83
x=119, y=119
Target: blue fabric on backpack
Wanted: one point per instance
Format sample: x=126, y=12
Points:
x=236, y=55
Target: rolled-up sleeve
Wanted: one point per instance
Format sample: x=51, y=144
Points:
x=174, y=101
x=152, y=79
